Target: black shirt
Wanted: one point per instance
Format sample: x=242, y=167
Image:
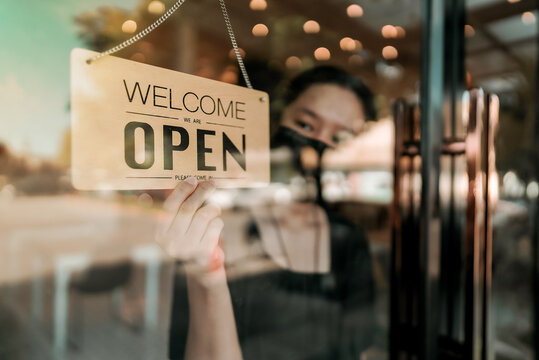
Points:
x=286, y=315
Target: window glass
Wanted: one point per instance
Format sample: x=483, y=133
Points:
x=306, y=259
x=501, y=57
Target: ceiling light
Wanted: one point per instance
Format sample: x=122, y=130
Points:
x=469, y=31
x=528, y=18
x=293, y=62
x=347, y=44
x=258, y=5
x=355, y=60
x=389, y=31
x=229, y=76
x=311, y=27
x=156, y=7
x=145, y=47
x=138, y=57
x=260, y=30
x=400, y=31
x=322, y=54
x=390, y=53
x=232, y=54
x=354, y=11
x=129, y=26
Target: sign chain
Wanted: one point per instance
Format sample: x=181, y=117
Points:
x=161, y=20
x=235, y=44
x=139, y=35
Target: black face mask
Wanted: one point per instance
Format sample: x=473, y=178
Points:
x=286, y=137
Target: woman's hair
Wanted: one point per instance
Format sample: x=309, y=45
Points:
x=331, y=75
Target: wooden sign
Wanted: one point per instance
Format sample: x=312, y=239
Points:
x=137, y=126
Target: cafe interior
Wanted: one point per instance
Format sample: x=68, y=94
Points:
x=444, y=182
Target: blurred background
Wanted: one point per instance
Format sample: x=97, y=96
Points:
x=80, y=276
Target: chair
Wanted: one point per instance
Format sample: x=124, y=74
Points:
x=99, y=279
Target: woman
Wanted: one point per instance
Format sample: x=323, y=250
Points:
x=313, y=297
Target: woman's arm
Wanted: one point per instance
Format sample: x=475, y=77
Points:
x=212, y=328
x=192, y=235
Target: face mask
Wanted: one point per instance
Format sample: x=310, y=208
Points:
x=286, y=137
x=293, y=140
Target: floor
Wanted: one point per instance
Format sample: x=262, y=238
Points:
x=100, y=333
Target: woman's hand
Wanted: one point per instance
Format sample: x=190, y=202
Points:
x=193, y=229
x=191, y=234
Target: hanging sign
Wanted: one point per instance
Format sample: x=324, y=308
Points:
x=137, y=126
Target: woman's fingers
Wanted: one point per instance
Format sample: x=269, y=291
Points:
x=174, y=200
x=197, y=198
x=180, y=193
x=184, y=236
x=201, y=221
x=202, y=250
x=189, y=207
x=211, y=237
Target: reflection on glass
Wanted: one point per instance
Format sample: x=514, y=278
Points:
x=302, y=273
x=501, y=58
x=306, y=258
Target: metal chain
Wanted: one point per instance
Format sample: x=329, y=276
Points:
x=161, y=20
x=140, y=35
x=235, y=44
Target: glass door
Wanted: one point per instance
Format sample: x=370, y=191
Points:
x=456, y=177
